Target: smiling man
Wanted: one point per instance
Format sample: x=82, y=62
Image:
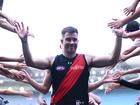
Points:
x=69, y=71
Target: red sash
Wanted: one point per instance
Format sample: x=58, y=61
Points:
x=70, y=79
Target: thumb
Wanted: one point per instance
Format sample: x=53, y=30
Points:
x=32, y=35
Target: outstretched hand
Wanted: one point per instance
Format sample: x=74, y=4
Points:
x=118, y=74
x=119, y=32
x=20, y=66
x=116, y=23
x=129, y=10
x=109, y=78
x=111, y=87
x=16, y=75
x=27, y=77
x=21, y=30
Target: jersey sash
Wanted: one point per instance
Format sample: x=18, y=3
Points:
x=70, y=79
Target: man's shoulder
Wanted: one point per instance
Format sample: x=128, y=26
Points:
x=52, y=58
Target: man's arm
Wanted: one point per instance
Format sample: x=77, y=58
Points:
x=41, y=87
x=110, y=60
x=23, y=34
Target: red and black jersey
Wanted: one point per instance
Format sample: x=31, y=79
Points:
x=78, y=94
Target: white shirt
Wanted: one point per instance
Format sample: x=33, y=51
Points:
x=136, y=42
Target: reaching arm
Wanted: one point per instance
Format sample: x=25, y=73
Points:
x=131, y=71
x=6, y=22
x=3, y=15
x=8, y=59
x=134, y=51
x=119, y=23
x=134, y=34
x=5, y=71
x=18, y=66
x=131, y=9
x=14, y=92
x=106, y=79
x=7, y=26
x=93, y=86
x=129, y=50
x=130, y=84
x=41, y=87
x=11, y=73
x=113, y=86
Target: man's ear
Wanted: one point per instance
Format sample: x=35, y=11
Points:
x=61, y=41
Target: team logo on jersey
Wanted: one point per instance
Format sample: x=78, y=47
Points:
x=60, y=68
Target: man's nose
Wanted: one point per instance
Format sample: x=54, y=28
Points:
x=72, y=41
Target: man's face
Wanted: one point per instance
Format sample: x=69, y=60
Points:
x=69, y=42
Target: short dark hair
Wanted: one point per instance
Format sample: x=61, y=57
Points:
x=1, y=4
x=132, y=26
x=69, y=29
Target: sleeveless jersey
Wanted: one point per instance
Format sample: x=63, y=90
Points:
x=78, y=95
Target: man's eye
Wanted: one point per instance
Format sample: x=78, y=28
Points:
x=74, y=40
x=69, y=40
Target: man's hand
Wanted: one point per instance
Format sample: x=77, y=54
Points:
x=116, y=23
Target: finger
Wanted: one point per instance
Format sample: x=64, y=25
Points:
x=113, y=25
x=127, y=13
x=27, y=30
x=23, y=28
x=125, y=9
x=16, y=28
x=107, y=72
x=19, y=26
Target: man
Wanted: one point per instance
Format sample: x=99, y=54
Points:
x=69, y=71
